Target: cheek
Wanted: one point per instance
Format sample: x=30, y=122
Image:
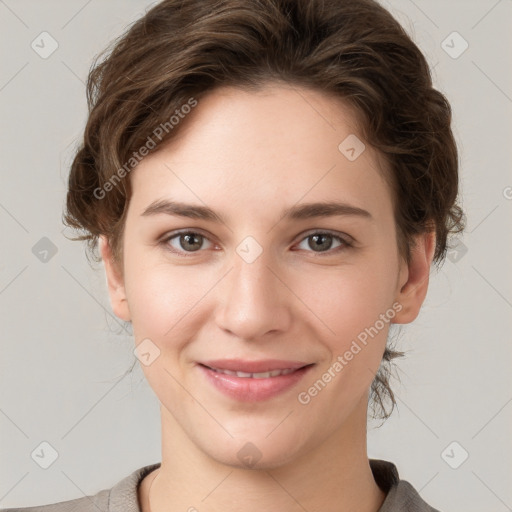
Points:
x=164, y=304
x=353, y=308
x=348, y=300
x=354, y=312
x=162, y=301
x=157, y=294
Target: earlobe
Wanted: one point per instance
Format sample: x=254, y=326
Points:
x=115, y=282
x=414, y=278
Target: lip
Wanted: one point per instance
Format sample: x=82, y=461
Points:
x=267, y=365
x=249, y=389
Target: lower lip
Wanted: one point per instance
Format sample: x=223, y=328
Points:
x=249, y=389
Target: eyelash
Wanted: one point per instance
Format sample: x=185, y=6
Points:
x=346, y=244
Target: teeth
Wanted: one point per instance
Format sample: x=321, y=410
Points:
x=260, y=375
x=243, y=374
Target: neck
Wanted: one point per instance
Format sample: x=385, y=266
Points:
x=334, y=475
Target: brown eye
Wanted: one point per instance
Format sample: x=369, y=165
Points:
x=190, y=241
x=322, y=242
x=185, y=241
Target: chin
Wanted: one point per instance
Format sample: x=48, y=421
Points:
x=254, y=452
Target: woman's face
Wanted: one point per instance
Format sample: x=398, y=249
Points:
x=271, y=281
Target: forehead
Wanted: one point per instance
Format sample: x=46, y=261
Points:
x=276, y=145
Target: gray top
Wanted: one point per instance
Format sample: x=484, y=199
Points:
x=401, y=495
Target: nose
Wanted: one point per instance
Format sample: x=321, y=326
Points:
x=253, y=300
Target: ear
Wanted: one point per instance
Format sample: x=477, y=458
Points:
x=115, y=282
x=414, y=278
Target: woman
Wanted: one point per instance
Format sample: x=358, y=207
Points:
x=269, y=183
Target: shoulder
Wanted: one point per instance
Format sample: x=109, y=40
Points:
x=122, y=496
x=401, y=496
x=85, y=504
x=408, y=499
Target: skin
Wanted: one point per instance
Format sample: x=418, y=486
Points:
x=248, y=156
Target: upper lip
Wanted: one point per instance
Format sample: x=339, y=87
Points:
x=240, y=365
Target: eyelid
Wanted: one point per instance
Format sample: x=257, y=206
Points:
x=337, y=234
x=195, y=231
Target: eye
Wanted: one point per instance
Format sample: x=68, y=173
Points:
x=184, y=241
x=322, y=240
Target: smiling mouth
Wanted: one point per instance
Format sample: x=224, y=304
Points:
x=258, y=375
x=253, y=381
x=275, y=372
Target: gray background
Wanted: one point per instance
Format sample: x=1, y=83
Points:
x=64, y=354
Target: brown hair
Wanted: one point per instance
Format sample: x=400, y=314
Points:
x=354, y=50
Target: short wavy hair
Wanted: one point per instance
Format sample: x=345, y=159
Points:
x=354, y=50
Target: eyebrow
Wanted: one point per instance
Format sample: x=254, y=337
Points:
x=297, y=212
